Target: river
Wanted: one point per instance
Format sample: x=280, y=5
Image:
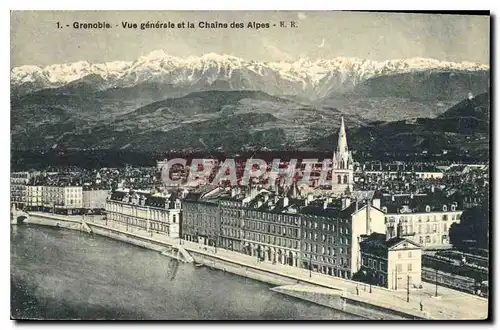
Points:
x=63, y=274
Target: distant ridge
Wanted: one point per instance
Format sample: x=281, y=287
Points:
x=310, y=78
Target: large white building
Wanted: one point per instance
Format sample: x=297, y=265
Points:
x=34, y=197
x=94, y=199
x=18, y=182
x=153, y=213
x=62, y=199
x=424, y=219
x=331, y=234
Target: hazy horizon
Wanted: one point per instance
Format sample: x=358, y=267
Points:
x=36, y=40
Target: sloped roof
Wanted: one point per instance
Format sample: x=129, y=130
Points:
x=377, y=243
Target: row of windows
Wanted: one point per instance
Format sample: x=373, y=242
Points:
x=374, y=264
x=340, y=181
x=313, y=236
x=325, y=259
x=230, y=221
x=399, y=267
x=434, y=239
x=429, y=229
x=401, y=254
x=235, y=233
x=273, y=217
x=272, y=240
x=427, y=218
x=315, y=248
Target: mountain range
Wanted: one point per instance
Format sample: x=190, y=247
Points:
x=305, y=78
x=160, y=102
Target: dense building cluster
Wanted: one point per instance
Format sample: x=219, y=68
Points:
x=371, y=223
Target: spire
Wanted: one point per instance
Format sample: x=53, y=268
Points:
x=293, y=191
x=342, y=142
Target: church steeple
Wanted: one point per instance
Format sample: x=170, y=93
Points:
x=342, y=164
x=342, y=142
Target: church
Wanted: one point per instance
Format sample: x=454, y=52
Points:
x=342, y=165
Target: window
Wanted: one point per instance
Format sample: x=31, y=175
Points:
x=445, y=227
x=399, y=267
x=409, y=267
x=409, y=254
x=339, y=179
x=345, y=179
x=399, y=255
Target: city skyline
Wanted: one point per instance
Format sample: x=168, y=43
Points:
x=319, y=35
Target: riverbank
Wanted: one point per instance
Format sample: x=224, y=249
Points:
x=341, y=294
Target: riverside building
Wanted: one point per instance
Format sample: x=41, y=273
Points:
x=423, y=218
x=392, y=262
x=62, y=198
x=18, y=183
x=145, y=211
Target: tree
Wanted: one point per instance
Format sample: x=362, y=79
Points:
x=473, y=227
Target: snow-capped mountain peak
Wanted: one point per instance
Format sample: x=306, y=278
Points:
x=314, y=78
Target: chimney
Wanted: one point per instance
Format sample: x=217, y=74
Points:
x=376, y=203
x=393, y=198
x=411, y=195
x=346, y=202
x=357, y=204
x=285, y=201
x=325, y=205
x=368, y=209
x=309, y=197
x=253, y=192
x=389, y=232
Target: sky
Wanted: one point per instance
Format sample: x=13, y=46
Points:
x=36, y=39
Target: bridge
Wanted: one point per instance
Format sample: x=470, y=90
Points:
x=18, y=216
